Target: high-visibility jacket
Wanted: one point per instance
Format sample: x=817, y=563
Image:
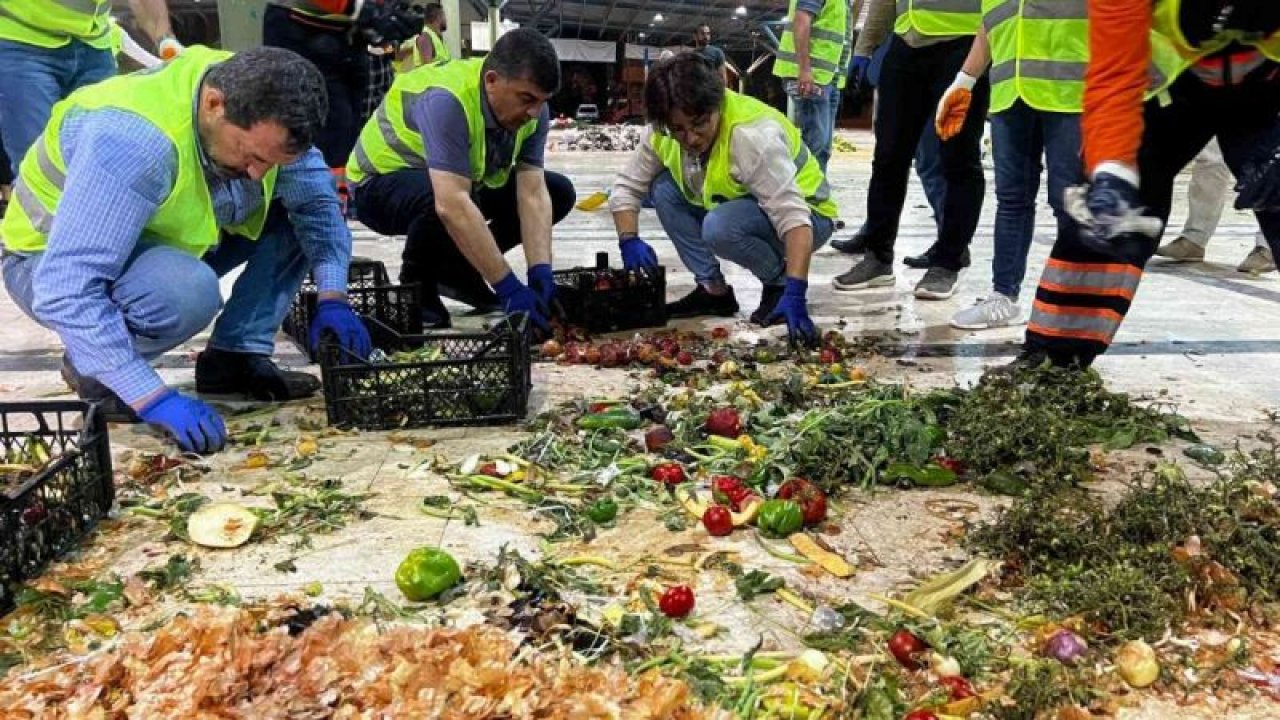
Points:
x=1173, y=53
x=388, y=144
x=439, y=51
x=719, y=186
x=827, y=38
x=164, y=96
x=54, y=23
x=1039, y=53
x=938, y=17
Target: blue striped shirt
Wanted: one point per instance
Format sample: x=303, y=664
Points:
x=120, y=169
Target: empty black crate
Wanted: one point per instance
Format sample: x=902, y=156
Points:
x=370, y=292
x=454, y=378
x=44, y=513
x=604, y=300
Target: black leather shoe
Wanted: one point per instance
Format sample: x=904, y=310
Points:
x=855, y=244
x=110, y=407
x=769, y=298
x=925, y=259
x=700, y=302
x=221, y=372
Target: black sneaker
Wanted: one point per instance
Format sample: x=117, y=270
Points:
x=700, y=302
x=855, y=244
x=222, y=372
x=110, y=407
x=769, y=298
x=925, y=259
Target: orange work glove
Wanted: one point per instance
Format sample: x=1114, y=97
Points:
x=953, y=108
x=169, y=48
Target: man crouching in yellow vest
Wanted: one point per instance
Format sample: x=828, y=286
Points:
x=145, y=189
x=730, y=178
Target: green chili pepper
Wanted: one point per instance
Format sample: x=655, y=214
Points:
x=602, y=511
x=930, y=475
x=426, y=572
x=624, y=418
x=779, y=518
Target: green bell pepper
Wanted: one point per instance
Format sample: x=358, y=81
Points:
x=426, y=572
x=624, y=418
x=779, y=518
x=602, y=511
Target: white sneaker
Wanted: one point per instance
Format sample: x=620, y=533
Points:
x=992, y=312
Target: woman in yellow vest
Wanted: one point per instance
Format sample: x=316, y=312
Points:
x=1038, y=51
x=730, y=178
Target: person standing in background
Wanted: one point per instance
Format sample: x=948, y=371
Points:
x=1206, y=197
x=809, y=62
x=702, y=44
x=428, y=46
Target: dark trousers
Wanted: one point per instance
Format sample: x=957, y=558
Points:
x=342, y=58
x=1083, y=296
x=912, y=81
x=403, y=203
x=6, y=172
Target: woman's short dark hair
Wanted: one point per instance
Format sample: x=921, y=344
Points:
x=271, y=84
x=687, y=82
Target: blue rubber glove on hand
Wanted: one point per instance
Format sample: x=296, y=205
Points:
x=1111, y=217
x=792, y=308
x=636, y=253
x=516, y=298
x=336, y=316
x=543, y=284
x=858, y=66
x=195, y=426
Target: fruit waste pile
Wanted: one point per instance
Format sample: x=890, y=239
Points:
x=690, y=547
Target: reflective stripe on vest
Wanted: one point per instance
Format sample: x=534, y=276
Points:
x=1172, y=53
x=933, y=18
x=54, y=23
x=718, y=185
x=164, y=97
x=827, y=37
x=388, y=144
x=1039, y=53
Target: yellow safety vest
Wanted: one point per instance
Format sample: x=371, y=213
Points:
x=440, y=51
x=934, y=18
x=388, y=144
x=827, y=39
x=719, y=186
x=163, y=96
x=54, y=23
x=1172, y=53
x=1039, y=53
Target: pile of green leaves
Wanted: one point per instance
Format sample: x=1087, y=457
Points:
x=1127, y=569
x=1038, y=424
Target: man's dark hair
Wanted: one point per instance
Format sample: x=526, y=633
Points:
x=687, y=82
x=431, y=12
x=525, y=54
x=271, y=84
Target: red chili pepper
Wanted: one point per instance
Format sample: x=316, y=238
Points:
x=677, y=601
x=812, y=501
x=718, y=520
x=668, y=473
x=958, y=687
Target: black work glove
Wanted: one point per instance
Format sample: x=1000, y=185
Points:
x=385, y=23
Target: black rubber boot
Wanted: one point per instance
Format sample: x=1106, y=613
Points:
x=222, y=372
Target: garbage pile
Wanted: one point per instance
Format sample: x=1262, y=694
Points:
x=605, y=138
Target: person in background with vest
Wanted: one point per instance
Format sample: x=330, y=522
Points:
x=809, y=60
x=336, y=35
x=928, y=48
x=146, y=188
x=453, y=159
x=1216, y=74
x=1038, y=51
x=731, y=178
x=428, y=46
x=49, y=48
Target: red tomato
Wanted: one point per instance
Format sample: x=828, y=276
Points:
x=677, y=601
x=717, y=520
x=904, y=646
x=668, y=473
x=812, y=501
x=720, y=332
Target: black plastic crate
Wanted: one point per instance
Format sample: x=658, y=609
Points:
x=44, y=514
x=370, y=292
x=471, y=378
x=604, y=300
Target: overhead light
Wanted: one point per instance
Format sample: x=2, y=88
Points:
x=642, y=36
x=657, y=17
x=740, y=11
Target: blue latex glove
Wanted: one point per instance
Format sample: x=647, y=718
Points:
x=636, y=253
x=195, y=426
x=336, y=316
x=1111, y=217
x=542, y=284
x=858, y=72
x=516, y=298
x=792, y=308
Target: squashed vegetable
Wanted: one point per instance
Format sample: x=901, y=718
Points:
x=725, y=422
x=779, y=518
x=825, y=559
x=812, y=501
x=426, y=572
x=221, y=525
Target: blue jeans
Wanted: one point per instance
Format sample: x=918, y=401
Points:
x=928, y=162
x=815, y=116
x=33, y=79
x=737, y=231
x=168, y=296
x=1019, y=136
